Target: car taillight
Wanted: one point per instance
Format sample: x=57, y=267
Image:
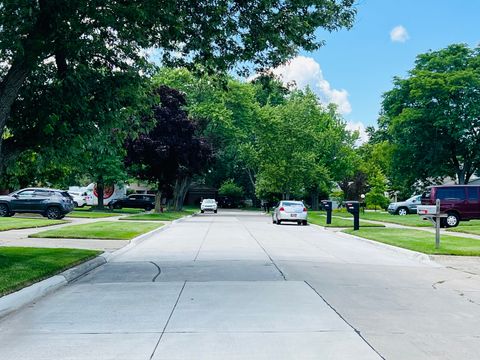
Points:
x=281, y=209
x=304, y=209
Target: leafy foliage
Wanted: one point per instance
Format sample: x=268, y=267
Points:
x=231, y=190
x=433, y=117
x=172, y=151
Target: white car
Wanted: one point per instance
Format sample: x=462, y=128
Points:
x=79, y=199
x=293, y=211
x=208, y=205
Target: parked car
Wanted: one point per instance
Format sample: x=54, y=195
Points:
x=79, y=199
x=51, y=203
x=293, y=211
x=459, y=202
x=137, y=201
x=208, y=205
x=406, y=207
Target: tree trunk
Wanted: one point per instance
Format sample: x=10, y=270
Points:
x=9, y=88
x=314, y=199
x=158, y=200
x=179, y=192
x=100, y=193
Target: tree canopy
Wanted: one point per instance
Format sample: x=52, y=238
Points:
x=432, y=117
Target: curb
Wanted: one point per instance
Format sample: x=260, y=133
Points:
x=14, y=301
x=413, y=255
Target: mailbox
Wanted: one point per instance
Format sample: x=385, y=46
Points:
x=327, y=206
x=353, y=207
x=426, y=210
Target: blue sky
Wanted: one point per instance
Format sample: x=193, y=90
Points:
x=356, y=66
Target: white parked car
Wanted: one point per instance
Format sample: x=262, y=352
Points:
x=79, y=199
x=208, y=205
x=293, y=211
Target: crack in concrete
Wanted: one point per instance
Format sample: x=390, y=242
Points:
x=159, y=271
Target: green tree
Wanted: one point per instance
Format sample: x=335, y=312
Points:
x=376, y=196
x=231, y=190
x=111, y=36
x=433, y=117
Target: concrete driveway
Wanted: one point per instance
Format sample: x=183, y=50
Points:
x=234, y=286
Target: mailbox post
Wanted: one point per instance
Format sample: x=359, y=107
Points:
x=327, y=206
x=353, y=207
x=432, y=213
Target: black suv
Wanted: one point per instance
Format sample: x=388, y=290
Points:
x=51, y=203
x=137, y=201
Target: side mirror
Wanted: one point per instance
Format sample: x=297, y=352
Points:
x=15, y=196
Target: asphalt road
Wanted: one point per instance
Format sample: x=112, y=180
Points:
x=234, y=286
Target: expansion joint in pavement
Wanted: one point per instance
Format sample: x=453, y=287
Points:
x=168, y=320
x=203, y=241
x=346, y=321
x=265, y=251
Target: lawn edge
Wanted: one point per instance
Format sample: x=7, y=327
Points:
x=412, y=254
x=61, y=222
x=19, y=299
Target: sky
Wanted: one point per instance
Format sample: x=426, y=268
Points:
x=356, y=66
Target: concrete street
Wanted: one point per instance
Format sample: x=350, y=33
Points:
x=234, y=286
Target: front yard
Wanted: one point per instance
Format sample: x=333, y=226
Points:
x=421, y=241
x=20, y=267
x=100, y=230
x=318, y=218
x=14, y=223
x=165, y=216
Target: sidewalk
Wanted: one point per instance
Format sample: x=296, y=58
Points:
x=20, y=237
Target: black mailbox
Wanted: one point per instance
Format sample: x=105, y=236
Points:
x=353, y=207
x=327, y=206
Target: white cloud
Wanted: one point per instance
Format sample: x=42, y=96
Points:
x=305, y=71
x=399, y=34
x=360, y=127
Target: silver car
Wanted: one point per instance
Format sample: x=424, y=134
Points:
x=293, y=211
x=405, y=207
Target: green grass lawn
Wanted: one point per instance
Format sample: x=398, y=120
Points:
x=165, y=216
x=467, y=227
x=407, y=220
x=320, y=219
x=11, y=223
x=421, y=241
x=20, y=267
x=100, y=230
x=108, y=211
x=91, y=214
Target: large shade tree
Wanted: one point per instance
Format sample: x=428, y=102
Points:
x=111, y=35
x=172, y=152
x=433, y=117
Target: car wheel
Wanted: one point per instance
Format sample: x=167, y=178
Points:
x=299, y=223
x=215, y=211
x=4, y=210
x=279, y=222
x=148, y=208
x=75, y=204
x=452, y=220
x=53, y=213
x=273, y=220
x=202, y=211
x=304, y=222
x=402, y=211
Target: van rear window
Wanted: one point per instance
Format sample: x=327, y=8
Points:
x=451, y=193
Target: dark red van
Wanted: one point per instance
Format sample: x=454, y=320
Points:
x=459, y=202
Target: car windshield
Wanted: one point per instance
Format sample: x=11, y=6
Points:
x=292, y=203
x=208, y=201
